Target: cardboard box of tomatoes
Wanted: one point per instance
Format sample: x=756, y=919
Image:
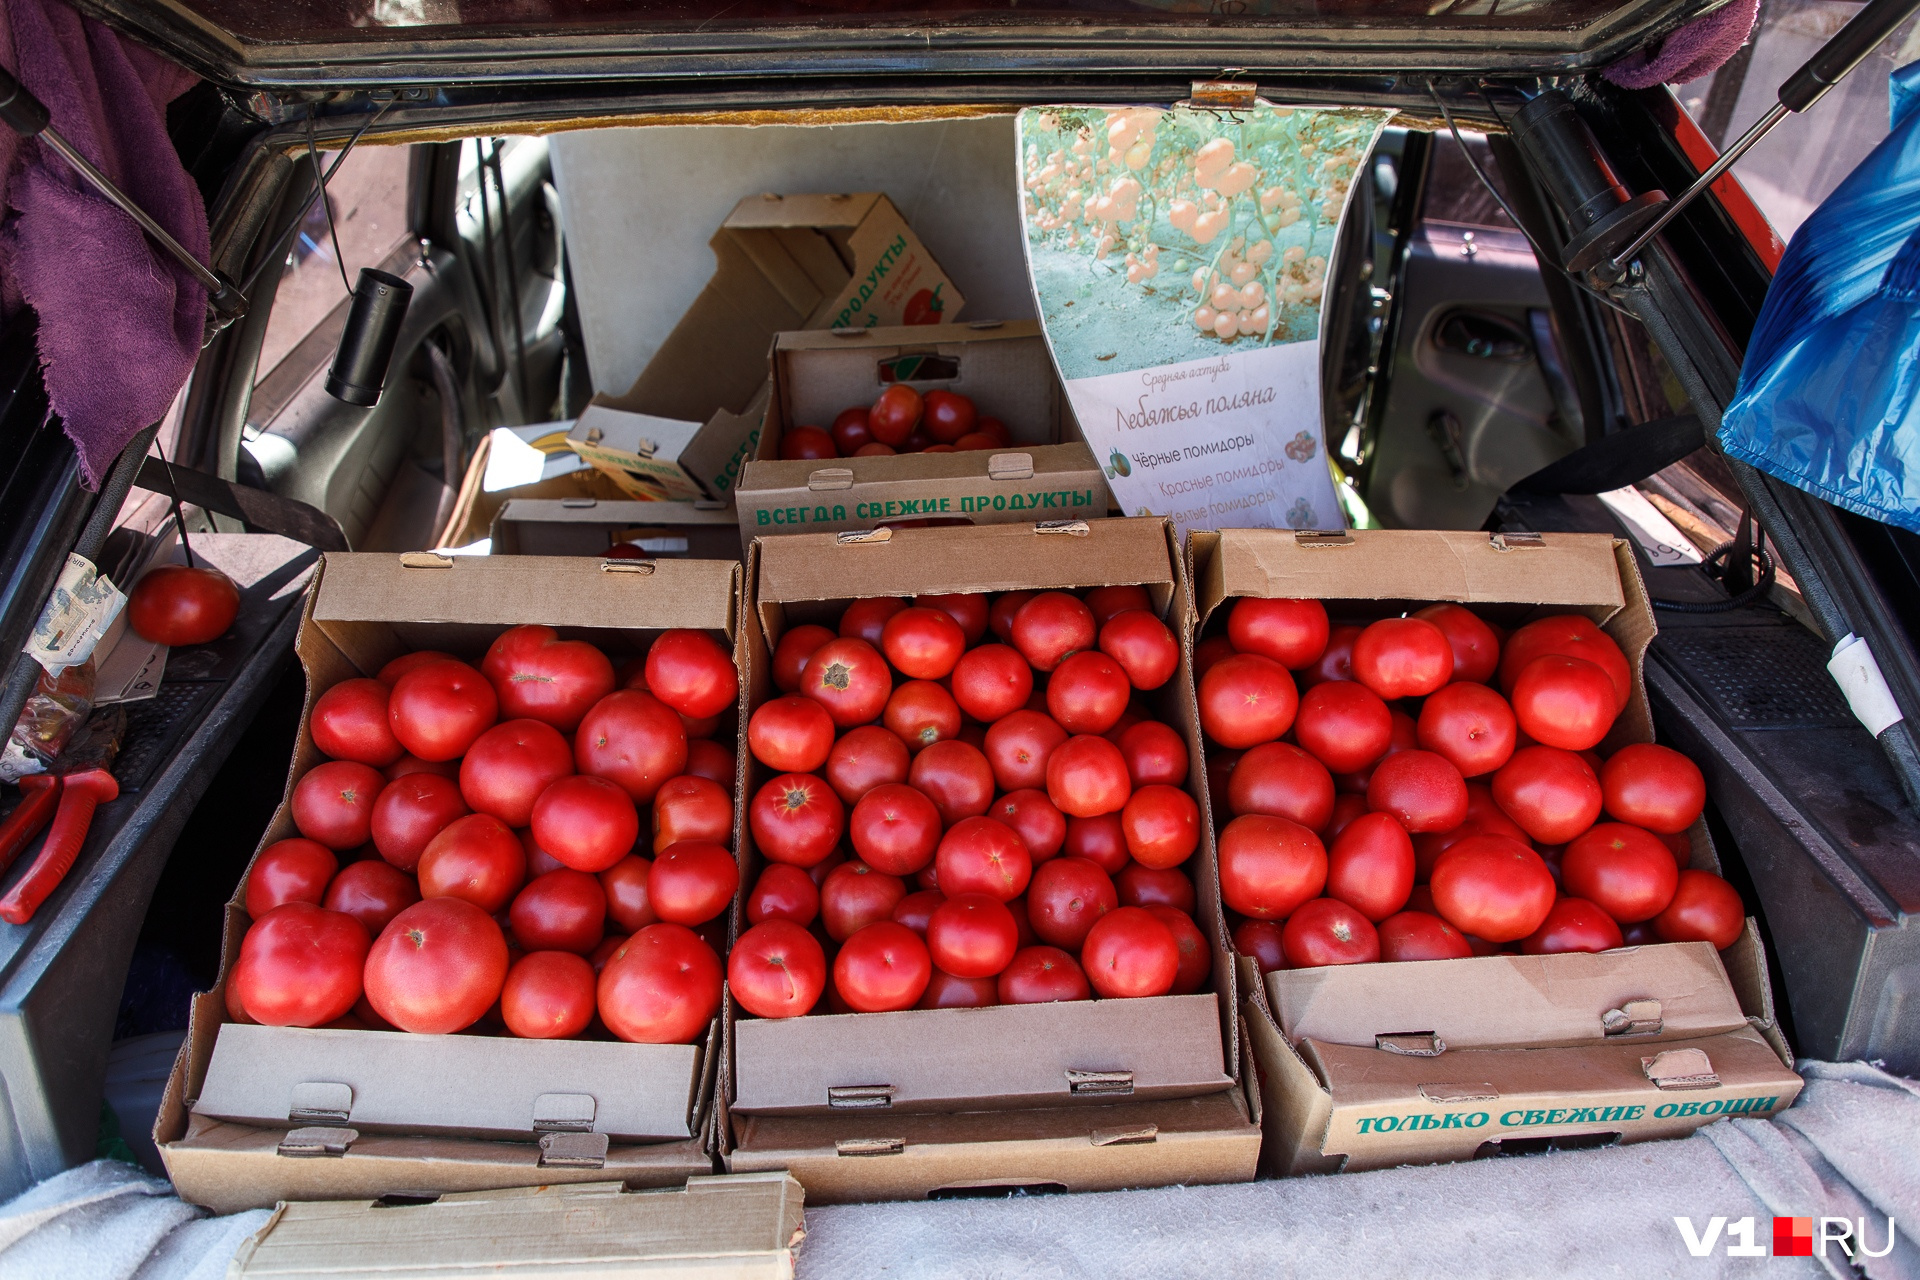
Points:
x=947, y=424
x=482, y=942
x=1475, y=905
x=981, y=940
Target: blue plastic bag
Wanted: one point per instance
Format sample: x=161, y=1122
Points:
x=1829, y=395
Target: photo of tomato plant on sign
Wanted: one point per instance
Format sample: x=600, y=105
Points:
x=1179, y=259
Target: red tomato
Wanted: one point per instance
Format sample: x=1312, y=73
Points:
x=1291, y=632
x=1345, y=809
x=1326, y=931
x=867, y=619
x=854, y=895
x=1087, y=776
x=1563, y=702
x=1210, y=651
x=1220, y=767
x=177, y=605
x=1033, y=817
x=371, y=892
x=1018, y=747
x=865, y=758
x=784, y=893
x=1334, y=664
x=411, y=764
x=1139, y=886
x=1108, y=603
x=850, y=431
x=1476, y=650
x=921, y=713
x=1402, y=658
x=1572, y=636
x=587, y=823
x=945, y=991
x=956, y=777
x=1653, y=787
x=1626, y=872
x=1344, y=724
x=1154, y=752
x=923, y=644
x=1088, y=693
x=1370, y=867
x=692, y=673
x=708, y=759
x=437, y=710
x=972, y=935
x=895, y=829
x=476, y=859
x=1196, y=956
x=410, y=811
x=916, y=909
x=625, y=886
x=1469, y=724
x=1000, y=615
x=1269, y=866
x=796, y=819
x=790, y=734
x=1041, y=975
x=548, y=995
x=991, y=682
x=1279, y=778
x=895, y=414
x=349, y=722
x=1247, y=699
x=882, y=968
x=289, y=871
x=969, y=610
x=510, y=765
x=979, y=855
x=390, y=674
x=1130, y=953
x=777, y=970
x=333, y=803
x=690, y=808
x=662, y=987
x=806, y=444
x=1574, y=924
x=1493, y=888
x=1065, y=898
x=1420, y=788
x=1263, y=940
x=1552, y=794
x=1162, y=825
x=1101, y=840
x=996, y=430
x=1050, y=626
x=948, y=416
x=1705, y=908
x=437, y=967
x=636, y=740
x=1420, y=935
x=850, y=679
x=791, y=654
x=563, y=910
x=299, y=966
x=539, y=861
x=539, y=676
x=1143, y=647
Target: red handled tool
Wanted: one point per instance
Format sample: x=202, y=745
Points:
x=39, y=792
x=80, y=794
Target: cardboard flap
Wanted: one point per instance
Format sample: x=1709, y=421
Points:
x=1512, y=1000
x=745, y=1225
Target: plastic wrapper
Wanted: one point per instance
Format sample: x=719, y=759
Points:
x=55, y=711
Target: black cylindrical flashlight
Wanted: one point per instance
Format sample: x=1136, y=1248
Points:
x=373, y=330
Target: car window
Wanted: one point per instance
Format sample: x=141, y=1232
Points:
x=1790, y=171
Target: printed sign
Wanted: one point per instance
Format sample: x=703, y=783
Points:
x=1179, y=258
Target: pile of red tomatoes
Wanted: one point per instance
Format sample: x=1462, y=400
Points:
x=900, y=421
x=495, y=868
x=1016, y=819
x=1426, y=788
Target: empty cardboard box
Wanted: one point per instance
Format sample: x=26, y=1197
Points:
x=1047, y=473
x=589, y=526
x=255, y=1114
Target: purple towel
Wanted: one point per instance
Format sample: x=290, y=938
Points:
x=1691, y=52
x=120, y=321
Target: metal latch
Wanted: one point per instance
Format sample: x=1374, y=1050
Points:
x=1322, y=538
x=1633, y=1018
x=563, y=1113
x=1125, y=1137
x=319, y=1102
x=424, y=560
x=1072, y=528
x=1681, y=1069
x=1086, y=1082
x=830, y=478
x=573, y=1151
x=870, y=1146
x=1223, y=95
x=1010, y=466
x=318, y=1140
x=1516, y=540
x=1411, y=1044
x=860, y=1097
x=883, y=534
x=579, y=504
x=1459, y=1092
